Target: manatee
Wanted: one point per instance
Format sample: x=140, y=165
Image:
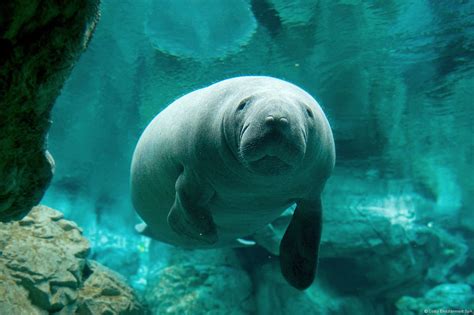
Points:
x=224, y=161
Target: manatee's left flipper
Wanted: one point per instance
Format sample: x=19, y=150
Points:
x=268, y=238
x=242, y=242
x=299, y=247
x=142, y=229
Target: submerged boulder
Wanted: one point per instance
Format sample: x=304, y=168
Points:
x=39, y=43
x=444, y=298
x=200, y=282
x=105, y=292
x=44, y=269
x=357, y=222
x=275, y=296
x=200, y=289
x=382, y=241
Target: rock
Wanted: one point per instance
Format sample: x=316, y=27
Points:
x=45, y=270
x=216, y=257
x=39, y=43
x=105, y=292
x=183, y=281
x=14, y=298
x=274, y=296
x=356, y=222
x=439, y=299
x=451, y=295
x=470, y=279
x=446, y=251
x=378, y=240
x=200, y=289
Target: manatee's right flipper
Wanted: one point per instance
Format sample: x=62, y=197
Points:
x=299, y=247
x=188, y=216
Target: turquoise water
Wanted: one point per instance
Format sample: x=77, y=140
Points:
x=396, y=80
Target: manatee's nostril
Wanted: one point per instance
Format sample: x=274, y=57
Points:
x=274, y=120
x=270, y=119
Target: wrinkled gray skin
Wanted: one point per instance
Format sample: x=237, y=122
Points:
x=222, y=162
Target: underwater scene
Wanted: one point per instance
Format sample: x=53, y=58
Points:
x=237, y=157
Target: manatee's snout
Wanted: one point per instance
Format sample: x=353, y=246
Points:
x=276, y=121
x=272, y=141
x=275, y=128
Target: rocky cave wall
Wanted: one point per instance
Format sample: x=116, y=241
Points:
x=39, y=44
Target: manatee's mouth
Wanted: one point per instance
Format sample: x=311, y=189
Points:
x=269, y=165
x=271, y=153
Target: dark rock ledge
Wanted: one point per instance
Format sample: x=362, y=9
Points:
x=39, y=43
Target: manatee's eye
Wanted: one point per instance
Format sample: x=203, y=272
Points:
x=243, y=103
x=309, y=112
